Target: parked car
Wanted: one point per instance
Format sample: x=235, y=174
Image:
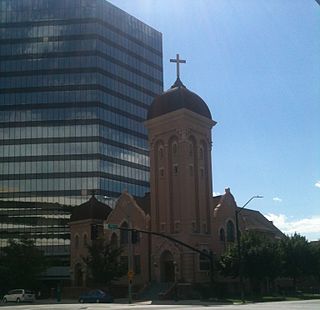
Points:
x=19, y=295
x=96, y=296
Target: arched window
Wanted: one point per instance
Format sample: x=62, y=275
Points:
x=161, y=152
x=222, y=236
x=230, y=232
x=174, y=148
x=85, y=240
x=190, y=149
x=124, y=234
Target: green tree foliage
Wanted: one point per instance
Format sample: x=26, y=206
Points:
x=315, y=249
x=21, y=263
x=264, y=259
x=297, y=257
x=103, y=263
x=260, y=259
x=228, y=265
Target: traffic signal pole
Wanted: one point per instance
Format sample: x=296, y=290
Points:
x=130, y=261
x=207, y=255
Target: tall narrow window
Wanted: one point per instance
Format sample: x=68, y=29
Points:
x=174, y=148
x=161, y=170
x=161, y=152
x=201, y=172
x=201, y=153
x=85, y=240
x=230, y=232
x=191, y=170
x=222, y=235
x=190, y=149
x=205, y=228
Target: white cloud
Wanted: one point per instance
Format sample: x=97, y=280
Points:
x=304, y=226
x=277, y=199
x=216, y=194
x=317, y=184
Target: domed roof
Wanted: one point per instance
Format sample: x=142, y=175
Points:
x=91, y=209
x=178, y=97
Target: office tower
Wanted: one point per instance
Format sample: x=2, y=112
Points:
x=77, y=77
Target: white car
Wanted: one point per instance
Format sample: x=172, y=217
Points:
x=19, y=295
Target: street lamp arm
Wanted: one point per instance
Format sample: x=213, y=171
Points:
x=253, y=197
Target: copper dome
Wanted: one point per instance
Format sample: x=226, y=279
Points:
x=178, y=97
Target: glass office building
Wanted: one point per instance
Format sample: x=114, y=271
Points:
x=77, y=77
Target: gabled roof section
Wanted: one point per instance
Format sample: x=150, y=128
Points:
x=253, y=220
x=223, y=201
x=91, y=209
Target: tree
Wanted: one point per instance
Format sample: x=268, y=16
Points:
x=21, y=263
x=260, y=259
x=315, y=249
x=228, y=264
x=103, y=262
x=297, y=256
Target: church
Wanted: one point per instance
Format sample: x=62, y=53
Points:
x=180, y=205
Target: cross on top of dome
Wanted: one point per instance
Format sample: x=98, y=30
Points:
x=178, y=61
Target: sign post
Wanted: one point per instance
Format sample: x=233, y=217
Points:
x=130, y=275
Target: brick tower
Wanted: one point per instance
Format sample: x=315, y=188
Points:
x=179, y=129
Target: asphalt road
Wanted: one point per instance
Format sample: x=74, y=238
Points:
x=194, y=305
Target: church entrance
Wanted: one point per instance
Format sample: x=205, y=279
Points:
x=167, y=267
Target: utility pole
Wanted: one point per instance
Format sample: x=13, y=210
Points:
x=130, y=260
x=238, y=210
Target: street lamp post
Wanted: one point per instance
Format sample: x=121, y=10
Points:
x=175, y=265
x=239, y=244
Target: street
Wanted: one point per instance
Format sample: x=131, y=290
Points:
x=288, y=305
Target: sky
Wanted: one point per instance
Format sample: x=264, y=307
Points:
x=256, y=63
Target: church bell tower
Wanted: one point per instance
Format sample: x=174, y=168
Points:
x=179, y=127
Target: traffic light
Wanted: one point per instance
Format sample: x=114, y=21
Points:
x=135, y=237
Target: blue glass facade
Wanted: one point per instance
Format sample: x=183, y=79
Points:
x=77, y=77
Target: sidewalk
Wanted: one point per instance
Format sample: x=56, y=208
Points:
x=137, y=302
x=172, y=302
x=54, y=301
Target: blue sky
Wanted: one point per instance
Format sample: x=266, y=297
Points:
x=256, y=63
